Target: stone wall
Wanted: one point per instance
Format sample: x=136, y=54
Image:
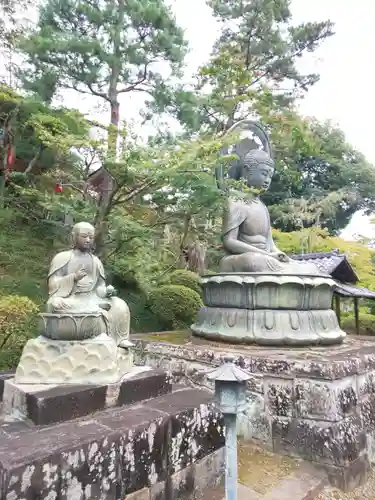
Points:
x=314, y=403
x=161, y=447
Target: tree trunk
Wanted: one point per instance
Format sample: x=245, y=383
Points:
x=114, y=125
x=105, y=203
x=114, y=81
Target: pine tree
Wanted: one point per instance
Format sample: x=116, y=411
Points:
x=253, y=64
x=103, y=48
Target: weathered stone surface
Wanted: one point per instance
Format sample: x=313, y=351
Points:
x=323, y=400
x=45, y=405
x=314, y=403
x=92, y=361
x=279, y=395
x=64, y=403
x=336, y=443
x=3, y=377
x=349, y=477
x=355, y=356
x=116, y=453
x=145, y=385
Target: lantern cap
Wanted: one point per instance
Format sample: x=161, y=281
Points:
x=228, y=371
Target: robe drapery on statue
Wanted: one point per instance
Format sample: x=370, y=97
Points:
x=252, y=221
x=89, y=294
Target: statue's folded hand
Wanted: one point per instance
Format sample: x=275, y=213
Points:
x=78, y=275
x=280, y=256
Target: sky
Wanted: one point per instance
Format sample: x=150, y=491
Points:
x=344, y=63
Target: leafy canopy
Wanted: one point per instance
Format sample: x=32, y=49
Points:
x=101, y=47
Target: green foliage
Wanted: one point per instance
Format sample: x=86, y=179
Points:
x=184, y=278
x=15, y=314
x=253, y=65
x=101, y=48
x=25, y=253
x=42, y=135
x=320, y=179
x=18, y=323
x=366, y=323
x=142, y=318
x=175, y=305
x=318, y=240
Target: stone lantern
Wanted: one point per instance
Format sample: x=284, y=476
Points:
x=230, y=395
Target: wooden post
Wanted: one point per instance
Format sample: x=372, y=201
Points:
x=356, y=315
x=338, y=308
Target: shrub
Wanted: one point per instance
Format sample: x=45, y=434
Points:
x=18, y=320
x=366, y=324
x=184, y=278
x=175, y=305
x=9, y=358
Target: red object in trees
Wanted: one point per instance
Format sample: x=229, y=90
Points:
x=58, y=188
x=11, y=158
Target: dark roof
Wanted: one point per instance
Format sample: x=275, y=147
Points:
x=346, y=290
x=333, y=263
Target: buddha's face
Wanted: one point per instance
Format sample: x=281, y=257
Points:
x=84, y=239
x=258, y=176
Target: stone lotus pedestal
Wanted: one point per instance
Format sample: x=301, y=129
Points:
x=74, y=348
x=268, y=309
x=92, y=361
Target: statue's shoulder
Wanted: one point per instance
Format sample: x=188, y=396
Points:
x=237, y=204
x=60, y=260
x=64, y=256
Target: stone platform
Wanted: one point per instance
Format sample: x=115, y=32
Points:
x=165, y=448
x=316, y=403
x=45, y=405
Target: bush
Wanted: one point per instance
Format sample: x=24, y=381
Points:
x=175, y=305
x=142, y=318
x=366, y=324
x=184, y=278
x=18, y=321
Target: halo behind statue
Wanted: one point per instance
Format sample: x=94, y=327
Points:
x=255, y=138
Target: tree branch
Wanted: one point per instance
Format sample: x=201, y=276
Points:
x=142, y=79
x=33, y=161
x=133, y=193
x=91, y=91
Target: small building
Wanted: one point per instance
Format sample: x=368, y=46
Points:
x=340, y=269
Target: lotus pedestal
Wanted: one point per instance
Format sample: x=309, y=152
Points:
x=268, y=309
x=73, y=348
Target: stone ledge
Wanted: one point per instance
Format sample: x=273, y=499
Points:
x=116, y=453
x=45, y=406
x=355, y=356
x=3, y=377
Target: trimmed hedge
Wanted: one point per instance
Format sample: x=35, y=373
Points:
x=176, y=306
x=184, y=278
x=18, y=323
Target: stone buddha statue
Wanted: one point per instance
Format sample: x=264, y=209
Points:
x=76, y=284
x=247, y=236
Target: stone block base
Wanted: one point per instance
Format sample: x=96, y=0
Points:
x=92, y=361
x=45, y=405
x=315, y=403
x=166, y=445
